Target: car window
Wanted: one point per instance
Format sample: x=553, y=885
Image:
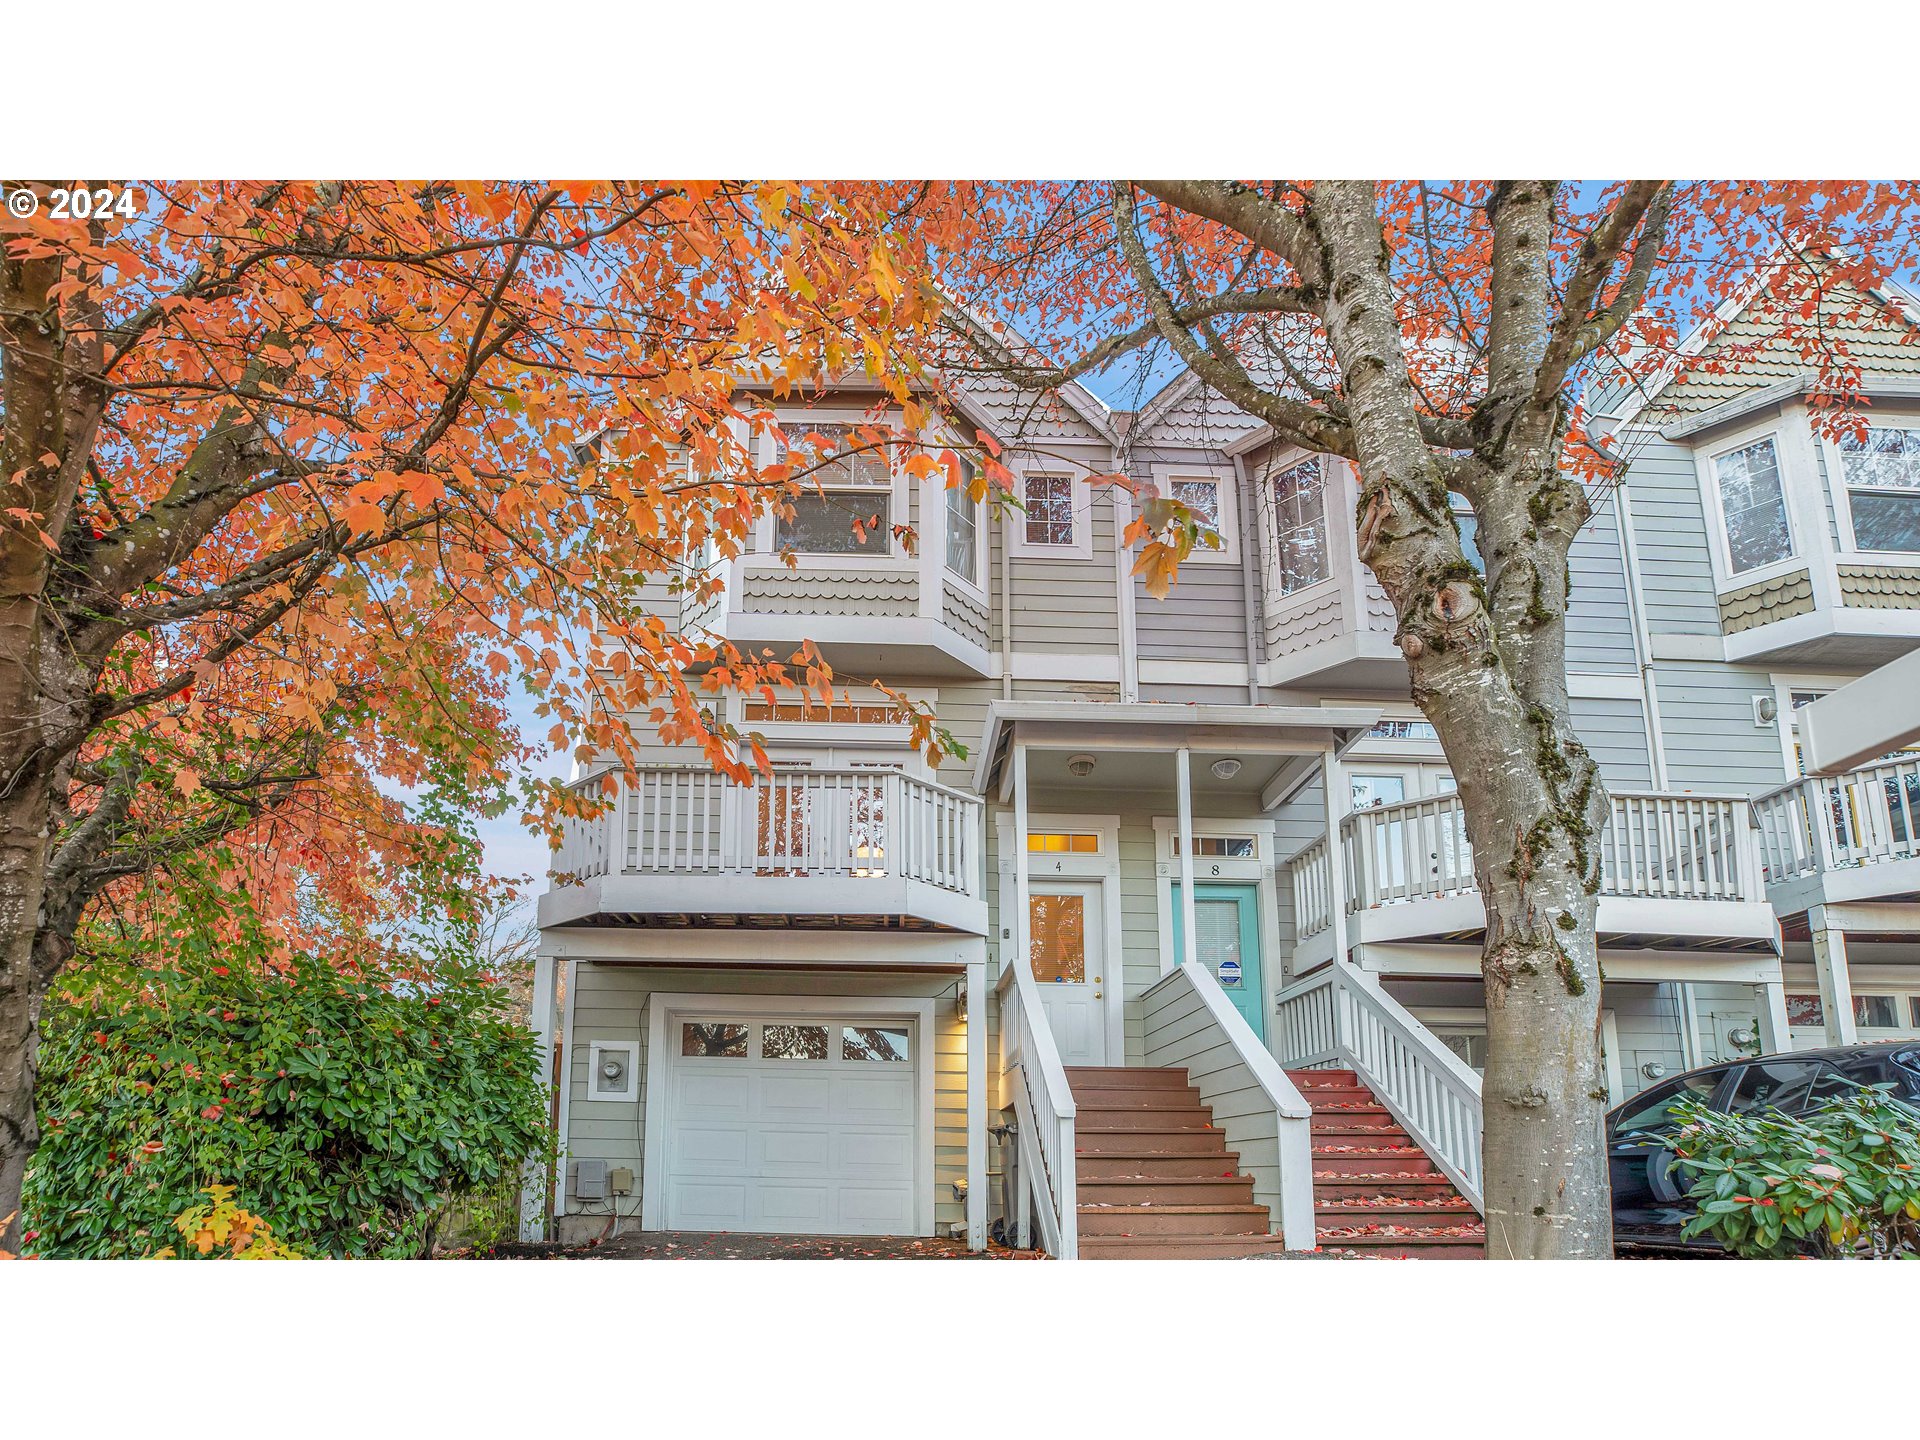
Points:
x=1780, y=1083
x=1653, y=1109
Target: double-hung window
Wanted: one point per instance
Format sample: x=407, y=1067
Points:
x=1753, y=505
x=963, y=528
x=1209, y=501
x=1298, y=497
x=845, y=505
x=1049, y=521
x=1882, y=473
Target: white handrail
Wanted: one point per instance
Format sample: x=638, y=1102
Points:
x=1864, y=817
x=1283, y=1183
x=1340, y=1019
x=853, y=822
x=1663, y=845
x=1034, y=1082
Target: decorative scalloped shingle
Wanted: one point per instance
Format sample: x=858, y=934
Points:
x=818, y=594
x=1304, y=628
x=1754, y=355
x=964, y=617
x=1780, y=598
x=1880, y=587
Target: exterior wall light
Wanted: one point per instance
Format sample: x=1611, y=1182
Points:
x=1080, y=766
x=1225, y=769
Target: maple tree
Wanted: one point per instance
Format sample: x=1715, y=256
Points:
x=1443, y=338
x=298, y=475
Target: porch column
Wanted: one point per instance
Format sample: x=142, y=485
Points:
x=1689, y=1018
x=533, y=1190
x=1183, y=770
x=977, y=1104
x=1775, y=1038
x=1022, y=946
x=1335, y=807
x=1830, y=968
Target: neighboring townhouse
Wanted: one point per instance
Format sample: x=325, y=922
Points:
x=793, y=1006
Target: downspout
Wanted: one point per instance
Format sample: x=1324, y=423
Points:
x=1249, y=529
x=1006, y=604
x=1636, y=609
x=1123, y=595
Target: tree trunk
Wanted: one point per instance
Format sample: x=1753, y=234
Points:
x=23, y=857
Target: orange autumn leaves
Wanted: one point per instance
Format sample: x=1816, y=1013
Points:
x=494, y=415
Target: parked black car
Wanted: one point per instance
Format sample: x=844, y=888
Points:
x=1649, y=1189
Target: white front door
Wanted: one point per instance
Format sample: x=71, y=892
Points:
x=1067, y=959
x=801, y=1125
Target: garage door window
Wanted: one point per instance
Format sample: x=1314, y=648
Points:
x=873, y=1042
x=793, y=1042
x=722, y=1041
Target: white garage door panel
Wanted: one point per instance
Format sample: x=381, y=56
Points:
x=790, y=1146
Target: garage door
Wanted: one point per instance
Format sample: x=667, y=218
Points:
x=800, y=1126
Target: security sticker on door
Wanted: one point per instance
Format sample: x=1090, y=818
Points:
x=1229, y=972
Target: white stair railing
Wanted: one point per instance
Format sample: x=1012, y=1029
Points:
x=1267, y=1122
x=1341, y=1019
x=1863, y=817
x=1034, y=1083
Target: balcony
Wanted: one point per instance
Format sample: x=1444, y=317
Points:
x=1848, y=837
x=1677, y=871
x=683, y=847
x=893, y=616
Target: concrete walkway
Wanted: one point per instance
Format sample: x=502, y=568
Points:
x=723, y=1245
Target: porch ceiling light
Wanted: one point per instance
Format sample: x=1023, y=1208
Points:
x=1080, y=766
x=1225, y=769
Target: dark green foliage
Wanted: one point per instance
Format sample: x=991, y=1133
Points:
x=346, y=1108
x=1842, y=1180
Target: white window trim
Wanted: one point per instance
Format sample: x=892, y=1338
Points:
x=1103, y=867
x=1270, y=524
x=768, y=557
x=1841, y=495
x=1784, y=683
x=1223, y=481
x=665, y=1008
x=1718, y=546
x=974, y=586
x=1221, y=870
x=1082, y=546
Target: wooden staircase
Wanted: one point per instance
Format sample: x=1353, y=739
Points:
x=1375, y=1191
x=1154, y=1178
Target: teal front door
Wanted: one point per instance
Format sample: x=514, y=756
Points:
x=1227, y=918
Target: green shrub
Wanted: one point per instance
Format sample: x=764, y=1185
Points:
x=347, y=1107
x=1842, y=1180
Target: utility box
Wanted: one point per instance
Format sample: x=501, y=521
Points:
x=620, y=1179
x=590, y=1180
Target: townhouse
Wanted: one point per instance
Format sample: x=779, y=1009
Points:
x=862, y=995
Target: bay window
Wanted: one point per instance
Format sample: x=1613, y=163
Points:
x=963, y=529
x=1882, y=474
x=1753, y=506
x=1298, y=497
x=846, y=507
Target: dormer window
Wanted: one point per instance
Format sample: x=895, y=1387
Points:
x=1753, y=506
x=1882, y=474
x=1299, y=524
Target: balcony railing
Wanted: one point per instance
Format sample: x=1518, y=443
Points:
x=792, y=823
x=1654, y=846
x=1865, y=817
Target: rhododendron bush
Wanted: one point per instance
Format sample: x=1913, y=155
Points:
x=1842, y=1180
x=347, y=1102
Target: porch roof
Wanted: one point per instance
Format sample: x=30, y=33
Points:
x=1299, y=732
